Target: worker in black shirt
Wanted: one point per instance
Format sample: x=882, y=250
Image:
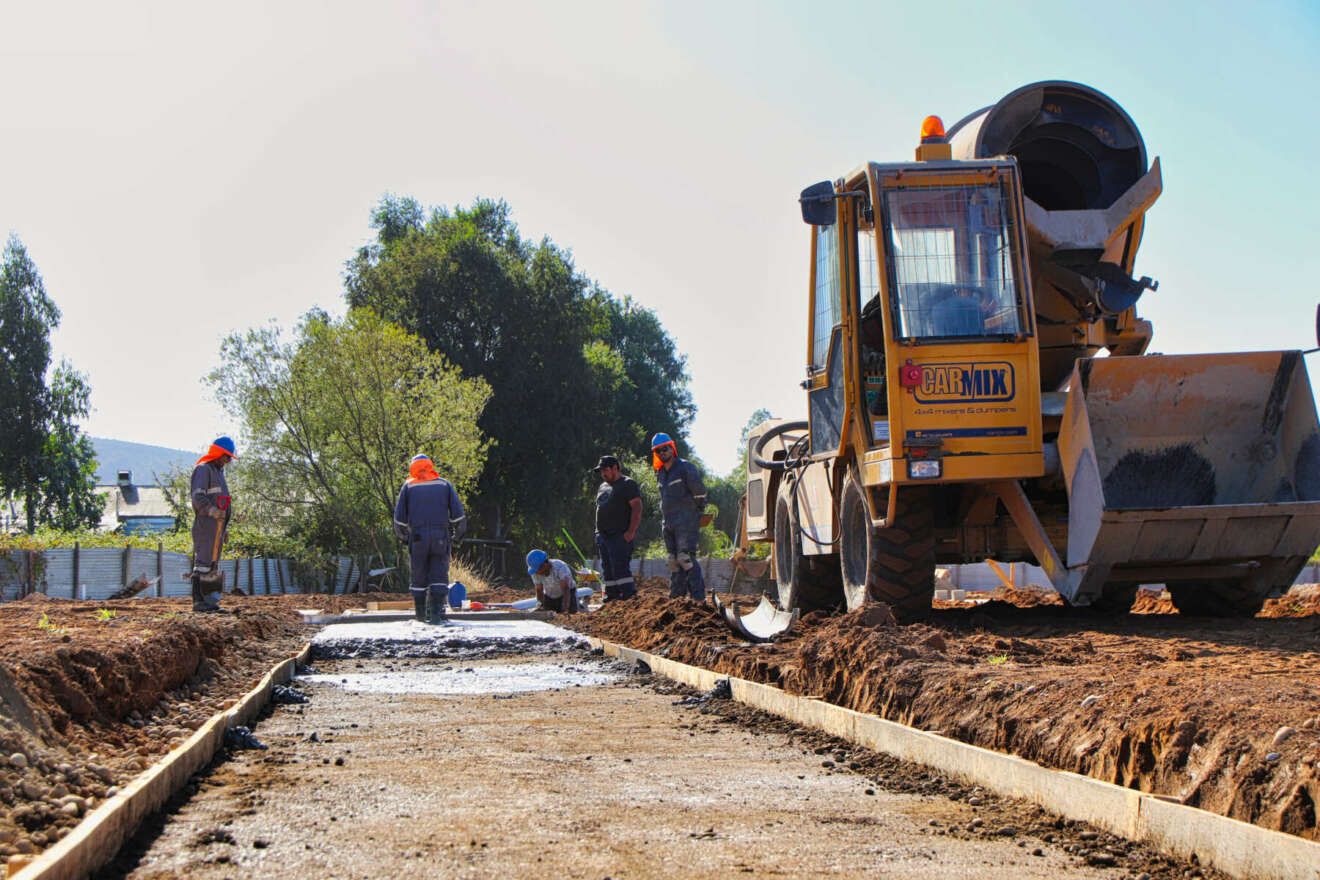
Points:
x=618, y=515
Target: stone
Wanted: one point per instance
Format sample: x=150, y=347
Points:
x=1101, y=859
x=974, y=802
x=32, y=791
x=1272, y=757
x=1090, y=701
x=19, y=760
x=1282, y=735
x=70, y=809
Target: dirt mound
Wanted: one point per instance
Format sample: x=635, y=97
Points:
x=1303, y=600
x=92, y=693
x=1224, y=715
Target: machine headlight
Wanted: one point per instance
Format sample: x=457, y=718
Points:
x=925, y=469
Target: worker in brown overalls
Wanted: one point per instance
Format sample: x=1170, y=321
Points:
x=211, y=506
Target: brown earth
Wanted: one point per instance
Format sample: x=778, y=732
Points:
x=1224, y=715
x=91, y=693
x=620, y=780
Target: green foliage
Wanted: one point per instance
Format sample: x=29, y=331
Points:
x=997, y=659
x=45, y=460
x=105, y=615
x=45, y=624
x=574, y=371
x=330, y=421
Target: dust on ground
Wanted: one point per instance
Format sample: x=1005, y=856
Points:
x=621, y=780
x=1220, y=714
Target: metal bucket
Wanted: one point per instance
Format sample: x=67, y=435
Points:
x=1190, y=467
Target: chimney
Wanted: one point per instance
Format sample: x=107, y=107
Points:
x=125, y=479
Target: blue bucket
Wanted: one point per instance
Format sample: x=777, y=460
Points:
x=457, y=593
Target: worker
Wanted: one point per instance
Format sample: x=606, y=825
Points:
x=429, y=517
x=556, y=590
x=682, y=500
x=211, y=504
x=960, y=313
x=618, y=515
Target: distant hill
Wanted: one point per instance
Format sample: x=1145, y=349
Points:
x=146, y=462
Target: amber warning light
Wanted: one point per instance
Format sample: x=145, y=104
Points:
x=932, y=130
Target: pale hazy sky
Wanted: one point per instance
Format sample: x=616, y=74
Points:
x=179, y=171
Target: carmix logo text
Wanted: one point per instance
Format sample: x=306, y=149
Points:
x=966, y=383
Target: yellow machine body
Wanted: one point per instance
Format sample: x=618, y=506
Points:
x=957, y=409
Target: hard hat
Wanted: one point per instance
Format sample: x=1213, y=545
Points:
x=535, y=560
x=227, y=445
x=660, y=440
x=421, y=456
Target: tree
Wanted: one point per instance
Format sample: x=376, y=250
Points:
x=331, y=418
x=45, y=459
x=574, y=372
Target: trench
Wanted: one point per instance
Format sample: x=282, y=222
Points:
x=513, y=750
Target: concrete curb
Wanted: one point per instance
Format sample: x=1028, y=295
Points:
x=1237, y=848
x=97, y=838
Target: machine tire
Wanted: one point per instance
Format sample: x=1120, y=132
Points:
x=804, y=582
x=894, y=565
x=1218, y=598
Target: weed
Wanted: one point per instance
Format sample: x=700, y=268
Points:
x=997, y=660
x=105, y=615
x=46, y=625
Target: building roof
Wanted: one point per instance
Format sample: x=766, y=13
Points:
x=134, y=503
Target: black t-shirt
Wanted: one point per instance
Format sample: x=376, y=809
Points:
x=613, y=505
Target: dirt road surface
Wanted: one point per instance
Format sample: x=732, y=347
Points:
x=1221, y=714
x=607, y=775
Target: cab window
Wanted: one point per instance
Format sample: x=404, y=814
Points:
x=827, y=307
x=951, y=262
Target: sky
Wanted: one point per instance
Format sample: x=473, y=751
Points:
x=182, y=171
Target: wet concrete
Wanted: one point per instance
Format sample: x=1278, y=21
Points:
x=455, y=639
x=501, y=678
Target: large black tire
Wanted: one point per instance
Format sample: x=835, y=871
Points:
x=894, y=565
x=807, y=583
x=1218, y=598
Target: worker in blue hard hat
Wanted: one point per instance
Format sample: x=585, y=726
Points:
x=682, y=500
x=212, y=508
x=429, y=516
x=556, y=589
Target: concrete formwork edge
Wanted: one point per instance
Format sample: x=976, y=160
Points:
x=97, y=838
x=1237, y=848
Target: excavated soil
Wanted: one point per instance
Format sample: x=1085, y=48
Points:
x=1221, y=714
x=92, y=693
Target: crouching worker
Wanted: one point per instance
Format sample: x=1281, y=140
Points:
x=556, y=589
x=211, y=509
x=429, y=517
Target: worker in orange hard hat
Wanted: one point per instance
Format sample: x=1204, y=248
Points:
x=212, y=507
x=429, y=516
x=682, y=501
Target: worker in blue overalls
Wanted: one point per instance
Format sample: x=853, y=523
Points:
x=429, y=516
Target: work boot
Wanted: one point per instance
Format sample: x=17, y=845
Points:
x=199, y=600
x=439, y=599
x=419, y=605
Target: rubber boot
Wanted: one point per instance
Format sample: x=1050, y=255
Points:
x=198, y=597
x=439, y=600
x=419, y=604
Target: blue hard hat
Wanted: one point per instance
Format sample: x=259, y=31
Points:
x=660, y=440
x=227, y=444
x=535, y=560
x=419, y=457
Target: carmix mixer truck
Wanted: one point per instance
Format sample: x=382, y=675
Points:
x=977, y=386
